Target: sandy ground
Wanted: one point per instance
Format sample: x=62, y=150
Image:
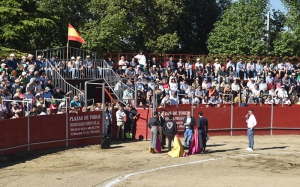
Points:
x=274, y=162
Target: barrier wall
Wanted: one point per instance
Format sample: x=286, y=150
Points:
x=271, y=120
x=43, y=132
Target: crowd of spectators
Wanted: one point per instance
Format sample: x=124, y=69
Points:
x=26, y=87
x=213, y=84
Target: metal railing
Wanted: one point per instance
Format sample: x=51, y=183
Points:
x=58, y=80
x=61, y=53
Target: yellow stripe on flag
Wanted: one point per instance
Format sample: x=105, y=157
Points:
x=74, y=35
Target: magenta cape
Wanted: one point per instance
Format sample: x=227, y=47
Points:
x=158, y=146
x=195, y=146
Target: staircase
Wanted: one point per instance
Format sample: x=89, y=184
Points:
x=111, y=79
x=58, y=80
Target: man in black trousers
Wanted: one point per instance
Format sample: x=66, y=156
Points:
x=162, y=136
x=170, y=127
x=202, y=131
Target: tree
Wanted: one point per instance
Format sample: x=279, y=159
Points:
x=288, y=42
x=241, y=30
x=21, y=24
x=195, y=23
x=120, y=25
x=75, y=12
x=277, y=22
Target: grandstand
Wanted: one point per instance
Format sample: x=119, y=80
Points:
x=51, y=83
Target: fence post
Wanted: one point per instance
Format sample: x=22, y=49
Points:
x=28, y=133
x=67, y=124
x=103, y=103
x=231, y=119
x=272, y=115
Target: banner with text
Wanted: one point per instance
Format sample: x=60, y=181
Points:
x=178, y=115
x=85, y=124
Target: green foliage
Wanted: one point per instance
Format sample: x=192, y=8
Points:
x=125, y=26
x=241, y=29
x=21, y=24
x=195, y=23
x=77, y=13
x=288, y=43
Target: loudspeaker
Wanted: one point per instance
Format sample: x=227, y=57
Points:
x=105, y=143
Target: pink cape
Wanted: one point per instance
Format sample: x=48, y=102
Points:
x=158, y=145
x=195, y=146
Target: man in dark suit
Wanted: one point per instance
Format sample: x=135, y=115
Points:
x=202, y=131
x=162, y=136
x=189, y=122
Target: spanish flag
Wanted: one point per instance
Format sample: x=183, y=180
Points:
x=74, y=35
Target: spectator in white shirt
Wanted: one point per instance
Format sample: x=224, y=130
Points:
x=286, y=101
x=262, y=85
x=173, y=85
x=142, y=59
x=194, y=99
x=230, y=64
x=123, y=63
x=282, y=93
x=269, y=100
x=185, y=99
x=276, y=100
x=166, y=100
x=251, y=84
x=217, y=66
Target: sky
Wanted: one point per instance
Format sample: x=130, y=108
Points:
x=277, y=5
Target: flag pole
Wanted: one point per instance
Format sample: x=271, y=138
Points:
x=67, y=50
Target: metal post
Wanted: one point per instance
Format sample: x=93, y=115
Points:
x=192, y=105
x=177, y=101
x=67, y=124
x=103, y=102
x=272, y=115
x=28, y=133
x=135, y=95
x=85, y=94
x=154, y=100
x=231, y=116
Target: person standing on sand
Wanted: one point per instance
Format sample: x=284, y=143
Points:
x=170, y=127
x=153, y=125
x=202, y=131
x=120, y=115
x=251, y=123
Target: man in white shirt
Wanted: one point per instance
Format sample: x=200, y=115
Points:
x=230, y=64
x=282, y=93
x=123, y=63
x=185, y=99
x=120, y=115
x=251, y=123
x=251, y=84
x=141, y=58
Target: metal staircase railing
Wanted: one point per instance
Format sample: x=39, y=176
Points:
x=112, y=79
x=58, y=80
